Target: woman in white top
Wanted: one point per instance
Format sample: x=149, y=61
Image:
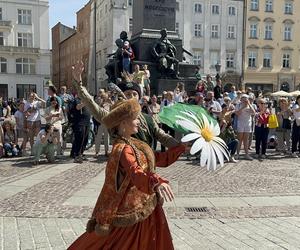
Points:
x=147, y=79
x=33, y=118
x=179, y=92
x=296, y=128
x=244, y=112
x=54, y=116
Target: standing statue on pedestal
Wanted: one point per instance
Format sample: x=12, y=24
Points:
x=121, y=59
x=115, y=65
x=164, y=53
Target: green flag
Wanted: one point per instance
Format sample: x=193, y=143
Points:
x=168, y=115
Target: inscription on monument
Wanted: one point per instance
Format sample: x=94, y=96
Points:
x=158, y=8
x=160, y=14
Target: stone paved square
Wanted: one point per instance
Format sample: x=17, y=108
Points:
x=248, y=205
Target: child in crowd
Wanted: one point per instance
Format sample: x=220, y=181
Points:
x=10, y=144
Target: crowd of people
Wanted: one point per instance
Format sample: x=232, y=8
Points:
x=129, y=208
x=242, y=116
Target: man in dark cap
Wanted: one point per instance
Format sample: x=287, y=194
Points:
x=148, y=129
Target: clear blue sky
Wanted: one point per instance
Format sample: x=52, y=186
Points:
x=64, y=11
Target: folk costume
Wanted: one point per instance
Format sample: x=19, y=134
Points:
x=148, y=130
x=128, y=213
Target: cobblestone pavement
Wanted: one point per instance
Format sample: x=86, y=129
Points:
x=249, y=205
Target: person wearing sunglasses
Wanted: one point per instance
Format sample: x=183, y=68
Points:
x=261, y=129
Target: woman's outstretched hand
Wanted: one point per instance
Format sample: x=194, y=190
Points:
x=165, y=192
x=77, y=70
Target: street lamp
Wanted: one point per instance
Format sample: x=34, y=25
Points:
x=218, y=67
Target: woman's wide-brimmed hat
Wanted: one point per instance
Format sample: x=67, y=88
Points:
x=122, y=110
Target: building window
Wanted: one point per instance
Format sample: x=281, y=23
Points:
x=231, y=11
x=197, y=58
x=286, y=60
x=23, y=90
x=1, y=39
x=3, y=65
x=130, y=2
x=269, y=5
x=4, y=91
x=253, y=30
x=130, y=24
x=214, y=58
x=25, y=66
x=267, y=63
x=215, y=9
x=24, y=16
x=198, y=8
x=24, y=40
x=254, y=5
x=231, y=32
x=177, y=28
x=0, y=14
x=252, y=59
x=287, y=32
x=214, y=31
x=268, y=32
x=177, y=6
x=230, y=60
x=198, y=30
x=288, y=8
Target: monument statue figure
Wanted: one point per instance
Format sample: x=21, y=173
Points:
x=114, y=67
x=120, y=58
x=164, y=53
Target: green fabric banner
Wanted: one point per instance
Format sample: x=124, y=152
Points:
x=168, y=115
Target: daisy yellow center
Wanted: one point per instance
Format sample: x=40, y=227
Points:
x=207, y=134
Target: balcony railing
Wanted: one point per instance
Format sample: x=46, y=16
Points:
x=19, y=50
x=5, y=24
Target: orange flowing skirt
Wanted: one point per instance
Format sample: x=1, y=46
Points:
x=150, y=234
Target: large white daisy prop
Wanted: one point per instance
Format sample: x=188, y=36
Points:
x=205, y=134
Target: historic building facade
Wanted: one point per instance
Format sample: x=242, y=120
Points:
x=70, y=45
x=272, y=45
x=212, y=31
x=25, y=56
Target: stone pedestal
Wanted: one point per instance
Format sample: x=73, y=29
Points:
x=170, y=85
x=153, y=15
x=149, y=18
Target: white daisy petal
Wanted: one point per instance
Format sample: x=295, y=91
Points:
x=189, y=126
x=222, y=149
x=192, y=115
x=190, y=137
x=220, y=141
x=213, y=158
x=216, y=129
x=205, y=120
x=219, y=153
x=197, y=146
x=204, y=155
x=210, y=158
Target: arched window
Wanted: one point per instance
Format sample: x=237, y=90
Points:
x=3, y=65
x=25, y=66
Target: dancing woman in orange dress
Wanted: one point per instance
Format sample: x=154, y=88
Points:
x=128, y=213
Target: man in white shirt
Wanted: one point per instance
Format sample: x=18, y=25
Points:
x=213, y=106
